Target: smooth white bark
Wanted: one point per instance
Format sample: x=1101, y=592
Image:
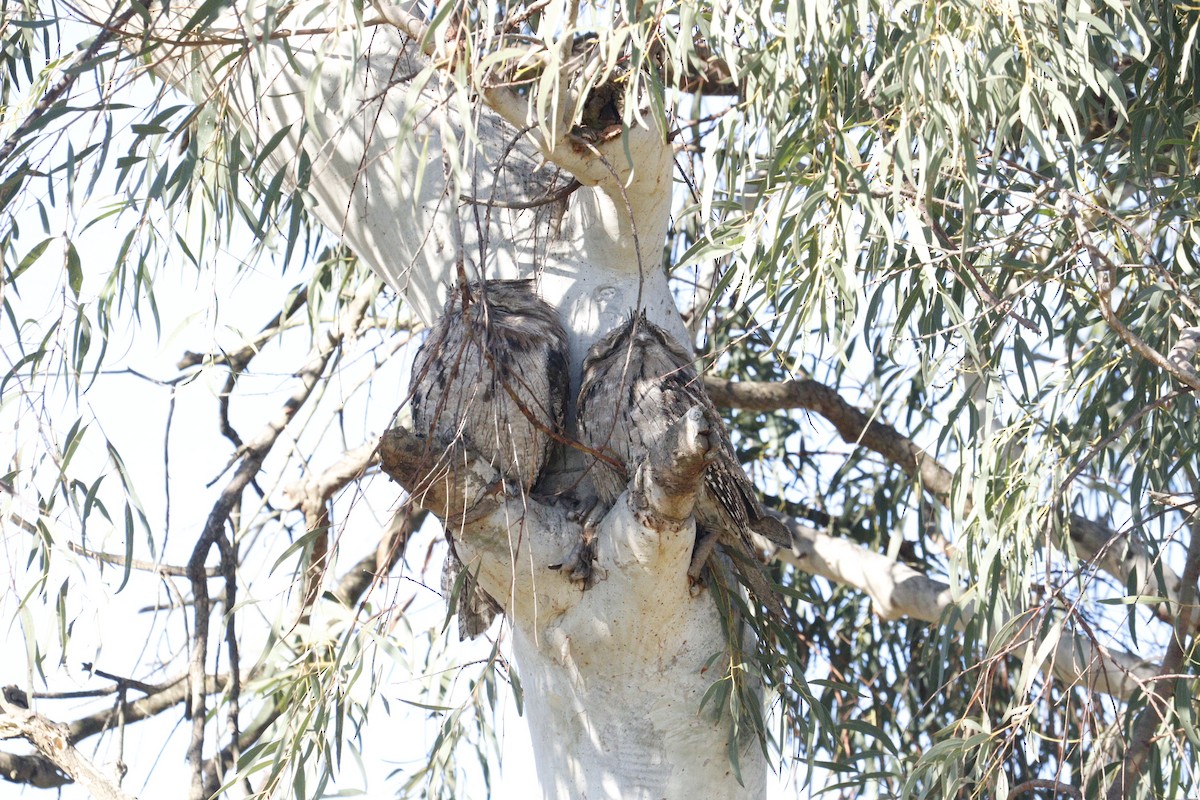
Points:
x=614, y=676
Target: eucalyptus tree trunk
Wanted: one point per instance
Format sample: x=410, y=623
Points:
x=614, y=675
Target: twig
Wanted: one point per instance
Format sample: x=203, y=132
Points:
x=982, y=291
x=72, y=73
x=557, y=195
x=216, y=767
x=144, y=566
x=122, y=682
x=239, y=359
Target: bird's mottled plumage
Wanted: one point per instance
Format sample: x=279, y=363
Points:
x=493, y=374
x=637, y=381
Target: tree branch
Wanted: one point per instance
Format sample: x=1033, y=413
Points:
x=239, y=359
x=312, y=496
x=213, y=535
x=120, y=560
x=53, y=741
x=1111, y=551
x=897, y=590
x=853, y=425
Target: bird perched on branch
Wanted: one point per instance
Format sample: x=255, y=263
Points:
x=492, y=374
x=637, y=381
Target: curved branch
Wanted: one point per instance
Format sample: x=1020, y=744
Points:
x=853, y=425
x=1115, y=553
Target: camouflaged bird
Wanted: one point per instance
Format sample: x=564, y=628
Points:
x=637, y=381
x=492, y=374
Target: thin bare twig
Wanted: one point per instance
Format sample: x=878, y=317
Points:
x=556, y=196
x=239, y=359
x=144, y=566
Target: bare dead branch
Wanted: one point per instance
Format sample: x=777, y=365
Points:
x=213, y=535
x=315, y=490
x=409, y=25
x=122, y=682
x=53, y=741
x=556, y=196
x=165, y=696
x=32, y=770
